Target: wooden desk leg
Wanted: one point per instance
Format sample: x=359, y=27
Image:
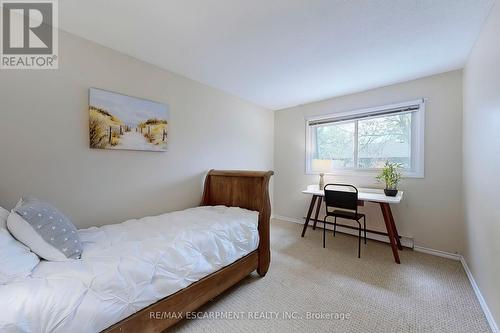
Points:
x=311, y=206
x=320, y=200
x=395, y=230
x=390, y=231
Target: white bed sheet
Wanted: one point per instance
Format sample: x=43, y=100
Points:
x=126, y=267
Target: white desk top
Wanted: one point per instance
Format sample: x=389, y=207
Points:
x=365, y=194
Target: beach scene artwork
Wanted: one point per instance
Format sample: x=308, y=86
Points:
x=122, y=122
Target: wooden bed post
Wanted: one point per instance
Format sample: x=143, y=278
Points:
x=244, y=189
x=265, y=229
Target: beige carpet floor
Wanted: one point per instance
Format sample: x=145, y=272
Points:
x=311, y=289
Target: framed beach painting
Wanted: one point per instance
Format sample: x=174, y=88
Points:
x=118, y=121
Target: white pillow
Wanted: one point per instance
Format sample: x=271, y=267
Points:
x=25, y=234
x=45, y=230
x=16, y=260
x=4, y=214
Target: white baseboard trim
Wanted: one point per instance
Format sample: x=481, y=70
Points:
x=405, y=241
x=287, y=219
x=484, y=306
x=438, y=253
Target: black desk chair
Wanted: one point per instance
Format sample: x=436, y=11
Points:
x=345, y=205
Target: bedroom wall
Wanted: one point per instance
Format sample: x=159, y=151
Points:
x=481, y=157
x=431, y=212
x=44, y=137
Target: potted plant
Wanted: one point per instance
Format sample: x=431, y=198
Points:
x=391, y=176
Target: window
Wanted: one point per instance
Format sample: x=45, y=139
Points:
x=362, y=141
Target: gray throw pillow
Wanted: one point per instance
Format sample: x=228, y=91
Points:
x=45, y=230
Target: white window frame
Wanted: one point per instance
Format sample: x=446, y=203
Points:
x=417, y=140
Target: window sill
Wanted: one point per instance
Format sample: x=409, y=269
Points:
x=365, y=173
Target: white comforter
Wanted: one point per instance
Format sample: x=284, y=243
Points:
x=125, y=267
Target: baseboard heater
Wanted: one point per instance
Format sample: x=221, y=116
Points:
x=370, y=234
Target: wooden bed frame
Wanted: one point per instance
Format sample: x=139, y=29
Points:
x=245, y=189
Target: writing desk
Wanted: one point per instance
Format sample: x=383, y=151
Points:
x=364, y=194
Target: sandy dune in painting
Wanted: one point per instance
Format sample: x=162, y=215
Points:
x=136, y=141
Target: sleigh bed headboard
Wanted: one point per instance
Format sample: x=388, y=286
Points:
x=244, y=189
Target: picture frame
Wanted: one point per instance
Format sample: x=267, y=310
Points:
x=122, y=122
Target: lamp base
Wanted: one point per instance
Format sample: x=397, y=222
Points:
x=321, y=184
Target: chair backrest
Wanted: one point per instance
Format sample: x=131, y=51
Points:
x=343, y=199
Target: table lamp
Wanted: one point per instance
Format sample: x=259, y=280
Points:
x=321, y=166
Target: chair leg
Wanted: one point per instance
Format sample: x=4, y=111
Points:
x=324, y=231
x=324, y=235
x=334, y=226
x=364, y=224
x=359, y=240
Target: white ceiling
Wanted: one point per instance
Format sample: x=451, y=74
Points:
x=281, y=53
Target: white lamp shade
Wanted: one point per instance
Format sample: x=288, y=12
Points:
x=321, y=166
